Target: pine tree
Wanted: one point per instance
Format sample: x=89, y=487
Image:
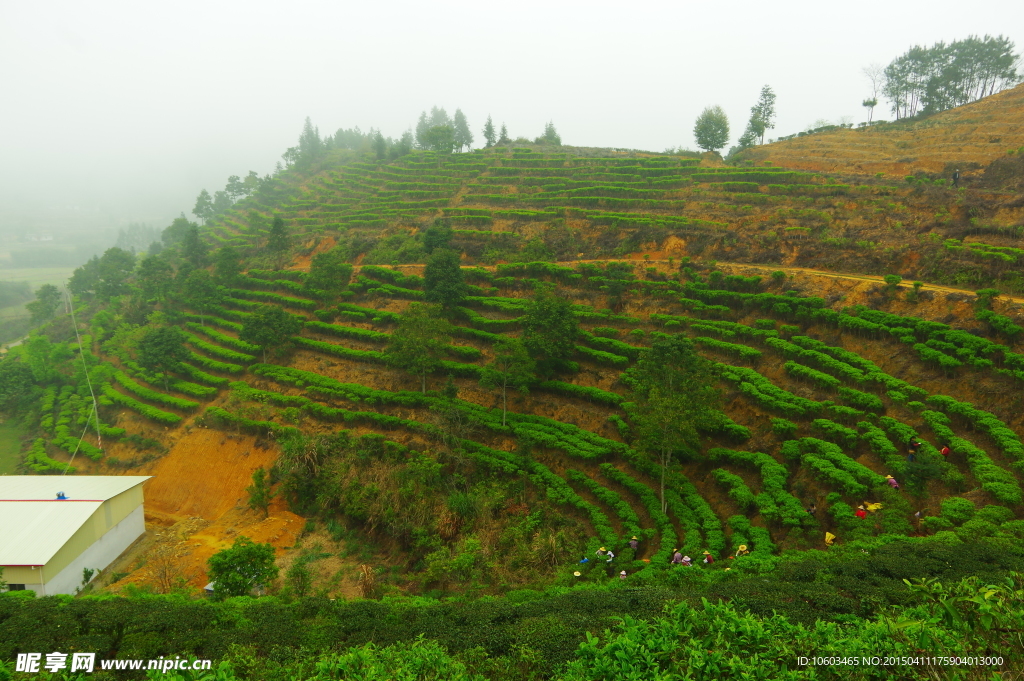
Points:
x=489, y=133
x=422, y=126
x=277, y=240
x=463, y=136
x=193, y=248
x=504, y=138
x=204, y=206
x=550, y=135
x=311, y=147
x=380, y=145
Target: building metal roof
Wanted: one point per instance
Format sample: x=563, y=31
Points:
x=34, y=524
x=75, y=487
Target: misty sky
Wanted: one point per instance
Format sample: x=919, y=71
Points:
x=123, y=111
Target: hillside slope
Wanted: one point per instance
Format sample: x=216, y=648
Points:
x=968, y=137
x=824, y=378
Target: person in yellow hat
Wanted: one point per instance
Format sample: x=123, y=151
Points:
x=708, y=558
x=742, y=550
x=634, y=542
x=829, y=538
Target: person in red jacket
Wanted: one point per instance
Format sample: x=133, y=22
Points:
x=708, y=558
x=861, y=513
x=945, y=451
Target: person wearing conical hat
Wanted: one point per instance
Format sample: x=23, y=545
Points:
x=687, y=561
x=622, y=574
x=861, y=512
x=892, y=482
x=634, y=542
x=829, y=538
x=601, y=552
x=677, y=558
x=576, y=574
x=742, y=550
x=708, y=558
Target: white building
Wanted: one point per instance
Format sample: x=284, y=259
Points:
x=46, y=542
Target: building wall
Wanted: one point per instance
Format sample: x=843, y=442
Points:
x=110, y=513
x=112, y=528
x=98, y=556
x=22, y=575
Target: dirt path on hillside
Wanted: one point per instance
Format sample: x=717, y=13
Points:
x=417, y=269
x=862, y=277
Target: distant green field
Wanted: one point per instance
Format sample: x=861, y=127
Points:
x=14, y=318
x=10, y=444
x=37, y=276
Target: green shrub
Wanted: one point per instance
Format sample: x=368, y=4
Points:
x=783, y=427
x=957, y=509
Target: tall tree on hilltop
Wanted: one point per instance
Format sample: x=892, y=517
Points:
x=443, y=281
x=269, y=327
x=438, y=117
x=932, y=79
x=380, y=145
x=490, y=136
x=550, y=331
x=440, y=138
x=762, y=114
x=463, y=136
x=550, y=135
x=711, y=129
x=672, y=396
x=419, y=342
x=311, y=147
x=504, y=138
x=875, y=73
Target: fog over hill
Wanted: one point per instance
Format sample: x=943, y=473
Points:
x=120, y=113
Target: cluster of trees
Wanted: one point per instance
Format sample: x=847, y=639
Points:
x=491, y=137
x=437, y=131
x=762, y=118
x=940, y=77
x=209, y=207
x=711, y=131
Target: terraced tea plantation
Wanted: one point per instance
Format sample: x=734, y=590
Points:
x=817, y=413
